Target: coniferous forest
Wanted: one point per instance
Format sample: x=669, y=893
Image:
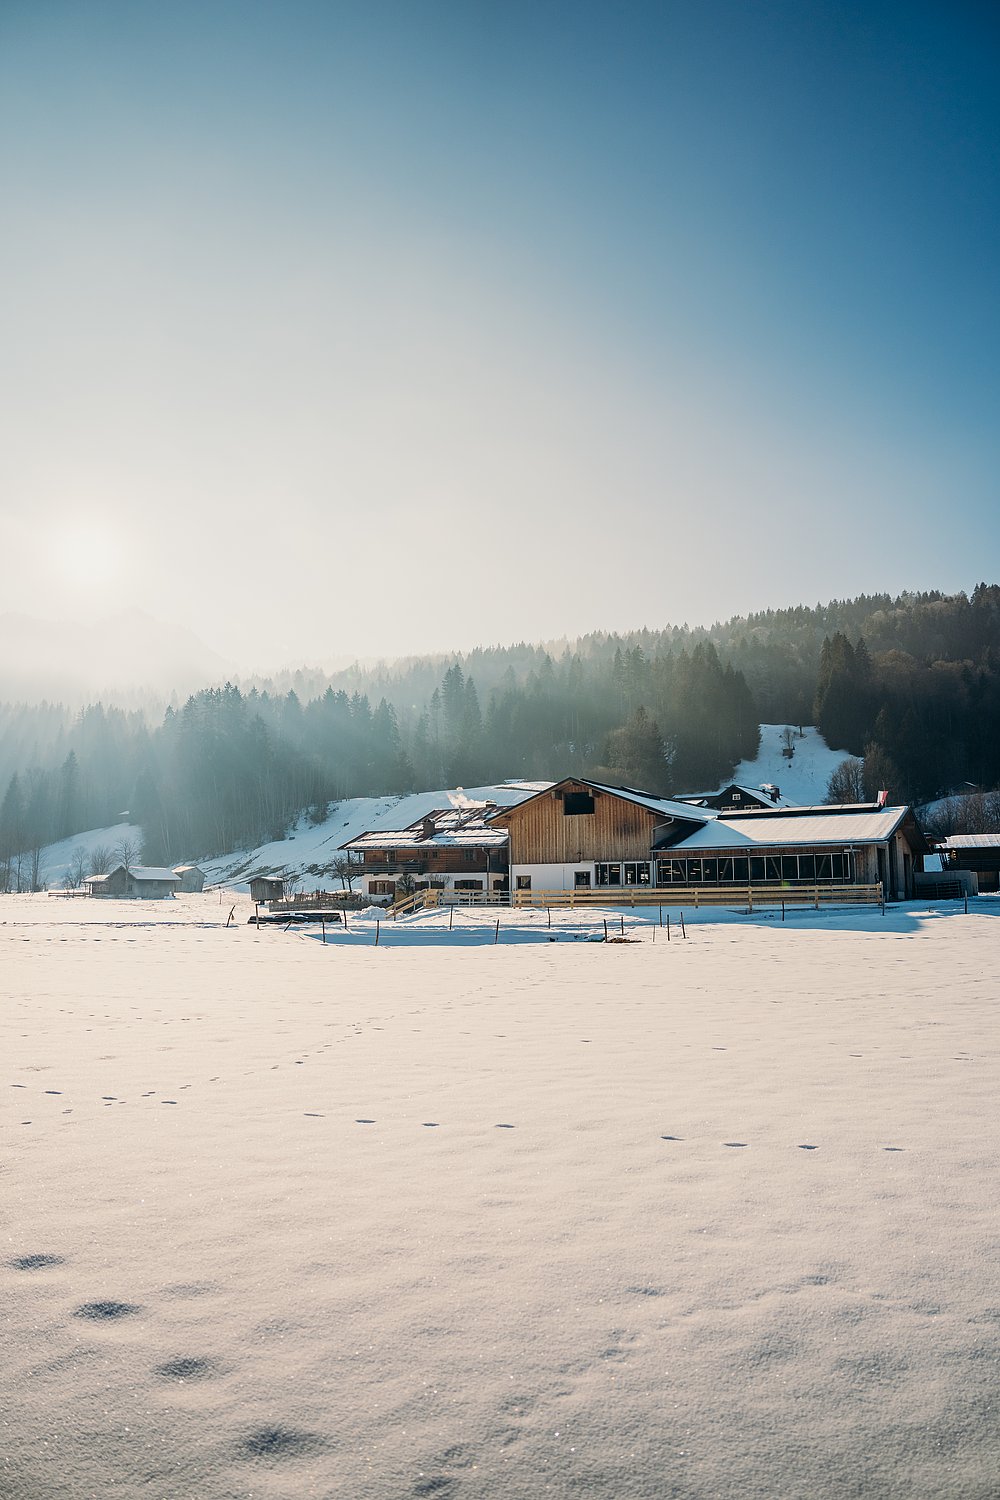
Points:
x=912, y=684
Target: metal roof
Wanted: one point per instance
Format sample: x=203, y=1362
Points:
x=970, y=841
x=665, y=806
x=786, y=830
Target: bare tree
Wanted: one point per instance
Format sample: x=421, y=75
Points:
x=128, y=851
x=345, y=870
x=847, y=784
x=788, y=737
x=77, y=869
x=100, y=860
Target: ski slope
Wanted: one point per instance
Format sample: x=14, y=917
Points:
x=801, y=780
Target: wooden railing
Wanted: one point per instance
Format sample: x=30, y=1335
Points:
x=750, y=896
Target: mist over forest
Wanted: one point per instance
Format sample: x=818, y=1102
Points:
x=911, y=683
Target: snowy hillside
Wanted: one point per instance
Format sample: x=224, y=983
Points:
x=58, y=858
x=309, y=846
x=803, y=779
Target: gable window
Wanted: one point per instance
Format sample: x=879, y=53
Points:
x=575, y=804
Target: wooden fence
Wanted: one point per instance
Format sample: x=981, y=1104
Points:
x=749, y=897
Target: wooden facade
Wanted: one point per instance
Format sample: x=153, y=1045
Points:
x=548, y=830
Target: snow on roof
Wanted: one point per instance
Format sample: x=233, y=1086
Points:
x=408, y=838
x=152, y=872
x=663, y=805
x=182, y=869
x=970, y=841
x=784, y=829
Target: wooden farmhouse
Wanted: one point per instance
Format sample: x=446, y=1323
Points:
x=190, y=877
x=142, y=880
x=581, y=834
x=737, y=799
x=450, y=848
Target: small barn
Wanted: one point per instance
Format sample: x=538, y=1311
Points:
x=977, y=852
x=147, y=881
x=267, y=888
x=190, y=877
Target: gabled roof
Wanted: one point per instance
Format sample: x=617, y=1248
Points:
x=183, y=869
x=665, y=806
x=152, y=872
x=969, y=841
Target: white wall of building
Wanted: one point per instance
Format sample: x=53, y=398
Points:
x=550, y=877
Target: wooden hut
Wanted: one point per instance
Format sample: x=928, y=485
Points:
x=267, y=888
x=190, y=877
x=147, y=881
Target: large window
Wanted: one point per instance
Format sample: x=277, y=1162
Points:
x=764, y=868
x=624, y=874
x=577, y=803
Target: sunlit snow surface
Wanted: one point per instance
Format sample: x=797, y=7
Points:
x=454, y=1218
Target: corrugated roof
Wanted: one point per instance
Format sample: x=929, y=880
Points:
x=971, y=841
x=664, y=805
x=764, y=830
x=408, y=838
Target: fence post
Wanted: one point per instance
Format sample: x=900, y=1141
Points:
x=750, y=899
x=623, y=924
x=668, y=927
x=322, y=923
x=683, y=928
x=451, y=915
x=256, y=912
x=966, y=903
x=661, y=916
x=782, y=908
x=816, y=901
x=605, y=929
x=378, y=924
x=696, y=898
x=548, y=913
x=496, y=934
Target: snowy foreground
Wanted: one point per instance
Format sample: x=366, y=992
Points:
x=713, y=1218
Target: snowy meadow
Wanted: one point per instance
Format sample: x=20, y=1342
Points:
x=465, y=1219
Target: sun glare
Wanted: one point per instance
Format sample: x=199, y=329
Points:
x=87, y=555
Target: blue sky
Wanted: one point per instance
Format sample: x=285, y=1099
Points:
x=429, y=324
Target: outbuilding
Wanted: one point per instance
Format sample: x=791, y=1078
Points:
x=191, y=878
x=267, y=888
x=147, y=881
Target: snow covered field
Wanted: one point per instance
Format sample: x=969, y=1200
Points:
x=440, y=1218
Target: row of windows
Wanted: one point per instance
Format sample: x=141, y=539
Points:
x=759, y=869
x=752, y=869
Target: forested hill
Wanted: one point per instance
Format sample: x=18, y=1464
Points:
x=912, y=683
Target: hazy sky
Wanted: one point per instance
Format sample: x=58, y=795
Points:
x=369, y=328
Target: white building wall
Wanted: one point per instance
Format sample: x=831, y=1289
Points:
x=550, y=877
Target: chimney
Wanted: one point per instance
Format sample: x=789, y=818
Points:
x=427, y=830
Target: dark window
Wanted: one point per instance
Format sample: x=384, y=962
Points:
x=710, y=871
x=824, y=867
x=756, y=869
x=741, y=870
x=523, y=882
x=807, y=867
x=694, y=871
x=789, y=867
x=468, y=885
x=581, y=879
x=576, y=803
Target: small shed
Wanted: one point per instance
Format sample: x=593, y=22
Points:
x=978, y=852
x=148, y=881
x=190, y=877
x=267, y=888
